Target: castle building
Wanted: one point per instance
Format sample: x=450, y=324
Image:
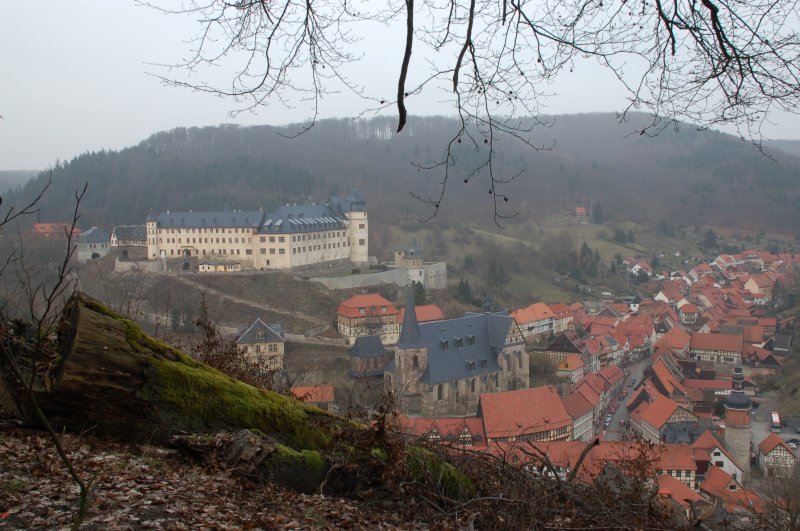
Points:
x=290, y=236
x=443, y=367
x=738, y=408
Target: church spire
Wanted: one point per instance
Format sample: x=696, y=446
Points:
x=409, y=335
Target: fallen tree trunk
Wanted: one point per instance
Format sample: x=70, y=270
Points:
x=113, y=380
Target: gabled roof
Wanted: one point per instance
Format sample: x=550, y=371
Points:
x=448, y=428
x=771, y=442
x=718, y=483
x=708, y=442
x=675, y=338
x=659, y=411
x=371, y=303
x=260, y=332
x=93, y=235
x=669, y=487
x=367, y=347
x=571, y=363
x=526, y=411
x=577, y=405
x=425, y=313
x=130, y=232
x=723, y=342
x=537, y=311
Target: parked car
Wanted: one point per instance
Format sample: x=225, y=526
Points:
x=621, y=422
x=793, y=446
x=632, y=382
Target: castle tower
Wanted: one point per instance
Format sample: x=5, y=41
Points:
x=151, y=225
x=359, y=228
x=737, y=424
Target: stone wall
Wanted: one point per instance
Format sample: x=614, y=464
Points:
x=150, y=266
x=433, y=276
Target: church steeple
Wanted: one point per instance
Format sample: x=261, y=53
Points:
x=409, y=335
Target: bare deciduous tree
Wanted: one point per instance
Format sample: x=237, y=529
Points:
x=709, y=62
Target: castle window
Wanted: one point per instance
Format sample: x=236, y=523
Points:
x=415, y=362
x=439, y=392
x=459, y=342
x=362, y=241
x=470, y=340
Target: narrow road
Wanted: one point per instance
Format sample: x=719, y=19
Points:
x=615, y=432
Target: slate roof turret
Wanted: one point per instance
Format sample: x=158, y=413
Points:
x=409, y=334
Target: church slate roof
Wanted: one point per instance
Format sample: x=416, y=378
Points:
x=272, y=333
x=463, y=347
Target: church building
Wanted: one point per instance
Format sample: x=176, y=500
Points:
x=442, y=367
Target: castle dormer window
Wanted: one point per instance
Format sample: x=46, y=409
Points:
x=484, y=364
x=471, y=366
x=445, y=344
x=470, y=340
x=459, y=341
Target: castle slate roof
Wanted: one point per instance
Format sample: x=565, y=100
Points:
x=284, y=219
x=93, y=235
x=460, y=348
x=367, y=347
x=130, y=232
x=224, y=219
x=272, y=333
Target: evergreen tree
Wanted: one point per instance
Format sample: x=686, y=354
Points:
x=419, y=293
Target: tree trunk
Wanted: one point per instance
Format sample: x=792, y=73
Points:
x=114, y=380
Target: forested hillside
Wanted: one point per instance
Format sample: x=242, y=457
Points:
x=683, y=177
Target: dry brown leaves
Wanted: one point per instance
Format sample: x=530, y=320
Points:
x=157, y=489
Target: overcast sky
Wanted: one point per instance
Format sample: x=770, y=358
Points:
x=75, y=77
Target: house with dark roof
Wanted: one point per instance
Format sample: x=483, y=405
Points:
x=368, y=357
x=264, y=342
x=290, y=236
x=442, y=367
x=92, y=244
x=130, y=241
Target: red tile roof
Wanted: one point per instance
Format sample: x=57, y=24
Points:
x=669, y=487
x=577, y=405
x=352, y=306
x=675, y=338
x=693, y=383
x=571, y=363
x=722, y=342
x=771, y=442
x=537, y=311
x=317, y=394
x=658, y=412
x=425, y=313
x=717, y=484
x=449, y=428
x=522, y=412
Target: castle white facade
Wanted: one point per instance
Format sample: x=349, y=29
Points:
x=290, y=236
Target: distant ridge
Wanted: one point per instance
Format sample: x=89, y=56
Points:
x=684, y=176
